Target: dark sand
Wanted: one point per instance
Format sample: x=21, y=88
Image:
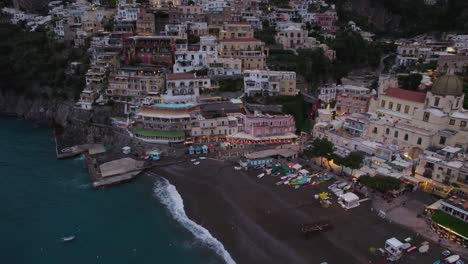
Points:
x=259, y=222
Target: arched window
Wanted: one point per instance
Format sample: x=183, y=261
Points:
x=406, y=137
x=387, y=131
x=396, y=134
x=419, y=141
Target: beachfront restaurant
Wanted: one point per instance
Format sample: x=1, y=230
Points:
x=450, y=219
x=156, y=136
x=266, y=157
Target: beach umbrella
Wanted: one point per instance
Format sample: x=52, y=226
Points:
x=423, y=249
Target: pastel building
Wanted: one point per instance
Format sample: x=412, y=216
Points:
x=269, y=83
x=291, y=38
x=184, y=87
x=234, y=30
x=157, y=50
x=145, y=24
x=133, y=84
x=164, y=123
x=265, y=129
x=352, y=99
x=417, y=121
x=327, y=20
x=216, y=121
x=250, y=50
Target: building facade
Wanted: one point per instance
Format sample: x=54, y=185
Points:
x=269, y=83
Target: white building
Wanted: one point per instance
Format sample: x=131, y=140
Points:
x=327, y=94
x=188, y=60
x=225, y=67
x=127, y=13
x=184, y=87
x=213, y=6
x=460, y=42
x=269, y=83
x=193, y=60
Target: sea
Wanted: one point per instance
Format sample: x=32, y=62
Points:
x=44, y=199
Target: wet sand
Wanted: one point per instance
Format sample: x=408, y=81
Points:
x=259, y=222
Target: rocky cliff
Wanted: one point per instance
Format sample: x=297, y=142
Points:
x=80, y=125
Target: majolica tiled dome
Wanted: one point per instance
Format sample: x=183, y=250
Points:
x=448, y=84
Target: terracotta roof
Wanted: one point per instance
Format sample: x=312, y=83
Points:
x=180, y=76
x=406, y=95
x=239, y=39
x=237, y=23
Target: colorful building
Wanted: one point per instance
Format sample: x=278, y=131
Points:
x=269, y=83
x=265, y=129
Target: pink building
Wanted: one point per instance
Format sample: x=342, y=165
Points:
x=352, y=99
x=327, y=20
x=265, y=129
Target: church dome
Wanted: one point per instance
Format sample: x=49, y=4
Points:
x=448, y=84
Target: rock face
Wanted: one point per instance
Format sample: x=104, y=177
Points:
x=31, y=6
x=81, y=125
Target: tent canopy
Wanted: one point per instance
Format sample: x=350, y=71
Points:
x=297, y=166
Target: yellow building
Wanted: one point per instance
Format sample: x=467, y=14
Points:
x=416, y=121
x=145, y=24
x=232, y=30
x=251, y=51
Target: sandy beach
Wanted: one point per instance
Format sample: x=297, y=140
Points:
x=259, y=222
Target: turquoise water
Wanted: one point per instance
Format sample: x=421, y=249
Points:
x=44, y=199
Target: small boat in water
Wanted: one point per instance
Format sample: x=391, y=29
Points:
x=68, y=239
x=196, y=163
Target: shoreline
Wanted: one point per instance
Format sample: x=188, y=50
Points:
x=259, y=222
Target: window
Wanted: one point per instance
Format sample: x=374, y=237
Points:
x=406, y=137
x=398, y=107
x=452, y=122
x=442, y=140
x=396, y=134
x=382, y=103
x=463, y=124
x=419, y=141
x=426, y=116
x=406, y=109
x=390, y=105
x=374, y=130
x=436, y=101
x=387, y=131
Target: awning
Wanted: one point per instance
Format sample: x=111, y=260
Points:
x=297, y=166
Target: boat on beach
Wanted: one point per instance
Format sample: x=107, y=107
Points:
x=68, y=239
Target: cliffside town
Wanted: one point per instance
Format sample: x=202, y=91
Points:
x=230, y=73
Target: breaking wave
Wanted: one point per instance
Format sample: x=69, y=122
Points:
x=168, y=195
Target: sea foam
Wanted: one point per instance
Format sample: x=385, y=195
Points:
x=168, y=195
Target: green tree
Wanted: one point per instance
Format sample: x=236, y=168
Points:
x=322, y=148
x=410, y=82
x=383, y=184
x=353, y=161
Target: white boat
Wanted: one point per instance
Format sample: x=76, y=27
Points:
x=196, y=163
x=202, y=158
x=68, y=239
x=261, y=175
x=193, y=160
x=237, y=168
